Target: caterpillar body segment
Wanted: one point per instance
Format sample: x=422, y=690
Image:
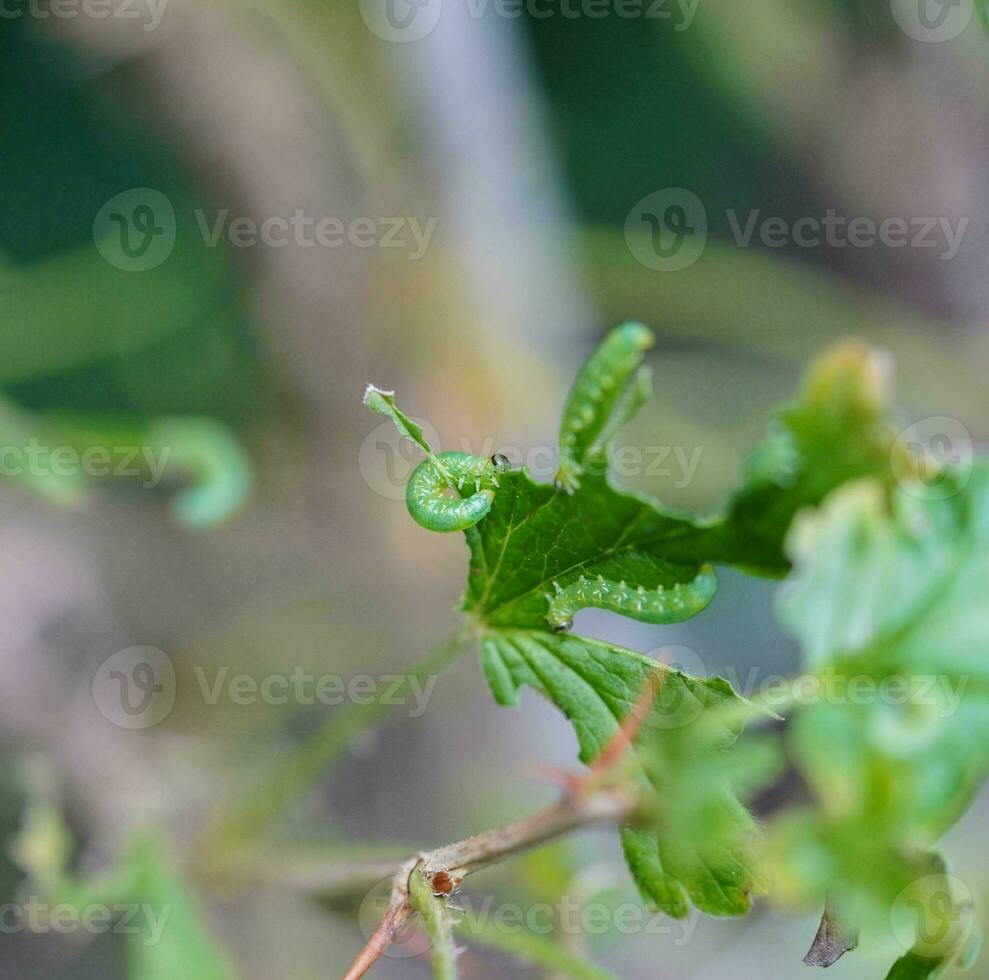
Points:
x=657, y=606
x=597, y=394
x=437, y=506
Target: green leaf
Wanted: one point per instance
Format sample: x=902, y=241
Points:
x=383, y=402
x=706, y=838
x=184, y=947
x=536, y=537
x=888, y=598
x=838, y=430
x=596, y=685
x=165, y=933
x=946, y=927
x=913, y=966
x=538, y=541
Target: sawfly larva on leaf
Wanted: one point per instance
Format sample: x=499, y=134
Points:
x=596, y=399
x=657, y=606
x=437, y=506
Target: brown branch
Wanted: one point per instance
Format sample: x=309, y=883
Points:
x=396, y=917
x=446, y=867
x=327, y=878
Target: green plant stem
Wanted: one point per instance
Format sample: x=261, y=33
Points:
x=534, y=948
x=432, y=908
x=242, y=826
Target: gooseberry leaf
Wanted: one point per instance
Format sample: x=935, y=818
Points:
x=838, y=429
x=888, y=598
x=536, y=538
x=947, y=929
x=602, y=546
x=383, y=402
x=597, y=685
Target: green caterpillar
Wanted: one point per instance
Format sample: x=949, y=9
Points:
x=433, y=502
x=659, y=606
x=593, y=409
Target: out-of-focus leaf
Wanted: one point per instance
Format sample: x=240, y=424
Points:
x=704, y=836
x=198, y=455
x=834, y=938
x=889, y=600
x=157, y=911
x=947, y=933
x=838, y=430
x=179, y=943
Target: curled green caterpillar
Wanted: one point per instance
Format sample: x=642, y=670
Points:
x=594, y=407
x=658, y=606
x=437, y=506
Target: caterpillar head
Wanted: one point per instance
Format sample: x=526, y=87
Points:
x=501, y=463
